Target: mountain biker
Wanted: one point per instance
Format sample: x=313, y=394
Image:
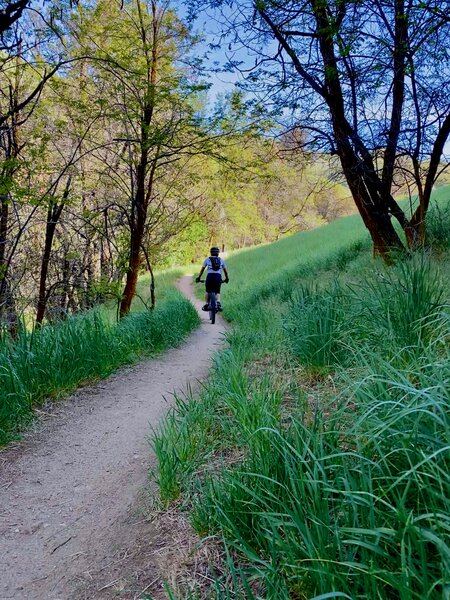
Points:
x=214, y=265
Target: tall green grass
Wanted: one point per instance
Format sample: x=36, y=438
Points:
x=318, y=326
x=269, y=270
x=318, y=453
x=353, y=499
x=56, y=359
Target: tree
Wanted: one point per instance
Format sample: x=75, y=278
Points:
x=153, y=118
x=10, y=12
x=369, y=82
x=24, y=72
x=54, y=211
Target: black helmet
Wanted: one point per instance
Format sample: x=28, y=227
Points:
x=215, y=251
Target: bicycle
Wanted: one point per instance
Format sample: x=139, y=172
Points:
x=212, y=304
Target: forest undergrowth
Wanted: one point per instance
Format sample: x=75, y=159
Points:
x=50, y=362
x=317, y=455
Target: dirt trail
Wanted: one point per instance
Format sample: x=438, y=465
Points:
x=72, y=494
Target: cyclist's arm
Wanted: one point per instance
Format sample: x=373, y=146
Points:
x=226, y=273
x=200, y=274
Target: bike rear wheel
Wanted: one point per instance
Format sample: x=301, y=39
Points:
x=212, y=307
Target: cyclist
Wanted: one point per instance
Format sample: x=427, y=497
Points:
x=214, y=265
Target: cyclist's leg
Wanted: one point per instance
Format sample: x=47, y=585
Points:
x=212, y=284
x=219, y=305
x=207, y=292
x=212, y=307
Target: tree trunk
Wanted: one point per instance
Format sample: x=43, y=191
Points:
x=10, y=143
x=8, y=315
x=374, y=205
x=371, y=192
x=4, y=218
x=53, y=216
x=49, y=235
x=417, y=222
x=134, y=264
x=152, y=279
x=356, y=161
x=398, y=92
x=143, y=187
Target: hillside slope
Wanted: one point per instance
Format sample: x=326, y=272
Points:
x=315, y=463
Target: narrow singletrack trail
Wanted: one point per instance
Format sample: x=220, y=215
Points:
x=72, y=494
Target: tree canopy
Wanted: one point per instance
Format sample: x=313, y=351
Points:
x=367, y=82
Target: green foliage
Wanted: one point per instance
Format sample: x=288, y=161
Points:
x=438, y=220
x=403, y=302
x=401, y=306
x=318, y=326
x=367, y=518
x=323, y=463
x=55, y=360
x=272, y=270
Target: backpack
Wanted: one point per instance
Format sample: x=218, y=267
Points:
x=215, y=263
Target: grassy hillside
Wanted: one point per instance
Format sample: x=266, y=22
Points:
x=317, y=456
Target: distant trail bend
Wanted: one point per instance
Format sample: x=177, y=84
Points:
x=71, y=493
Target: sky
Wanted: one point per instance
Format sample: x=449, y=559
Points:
x=209, y=30
x=225, y=81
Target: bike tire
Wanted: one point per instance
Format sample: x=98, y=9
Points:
x=212, y=307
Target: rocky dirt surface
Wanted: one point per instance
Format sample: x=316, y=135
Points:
x=75, y=493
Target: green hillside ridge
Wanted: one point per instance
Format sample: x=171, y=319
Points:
x=317, y=455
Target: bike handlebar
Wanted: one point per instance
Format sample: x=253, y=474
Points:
x=204, y=280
